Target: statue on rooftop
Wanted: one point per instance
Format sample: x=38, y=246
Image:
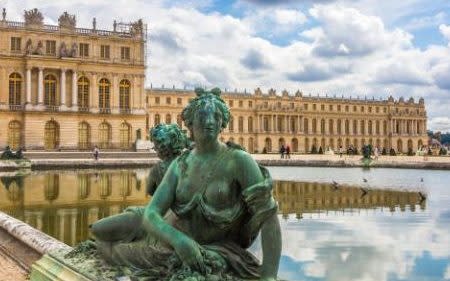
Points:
x=29, y=47
x=33, y=17
x=67, y=21
x=221, y=200
x=74, y=50
x=39, y=49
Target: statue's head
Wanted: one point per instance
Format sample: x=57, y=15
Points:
x=169, y=140
x=206, y=99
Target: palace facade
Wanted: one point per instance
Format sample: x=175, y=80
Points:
x=264, y=121
x=64, y=87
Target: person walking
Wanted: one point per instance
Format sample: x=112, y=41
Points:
x=96, y=153
x=288, y=152
x=282, y=151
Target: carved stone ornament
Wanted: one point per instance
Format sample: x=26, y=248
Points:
x=39, y=49
x=74, y=50
x=33, y=17
x=63, y=50
x=29, y=47
x=67, y=21
x=137, y=28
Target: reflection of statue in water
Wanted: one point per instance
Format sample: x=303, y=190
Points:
x=221, y=198
x=169, y=141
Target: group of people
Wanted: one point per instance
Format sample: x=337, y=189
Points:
x=285, y=152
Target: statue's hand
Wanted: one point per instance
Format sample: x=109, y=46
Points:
x=189, y=252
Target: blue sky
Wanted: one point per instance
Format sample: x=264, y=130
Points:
x=343, y=47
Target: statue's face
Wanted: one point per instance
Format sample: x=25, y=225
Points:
x=207, y=123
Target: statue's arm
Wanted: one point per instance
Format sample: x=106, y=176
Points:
x=161, y=201
x=249, y=174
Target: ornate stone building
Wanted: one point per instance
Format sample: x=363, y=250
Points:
x=266, y=121
x=64, y=87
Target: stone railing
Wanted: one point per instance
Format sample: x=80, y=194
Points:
x=79, y=31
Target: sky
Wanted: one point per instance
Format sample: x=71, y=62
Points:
x=365, y=48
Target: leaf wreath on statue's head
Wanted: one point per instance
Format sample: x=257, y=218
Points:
x=204, y=97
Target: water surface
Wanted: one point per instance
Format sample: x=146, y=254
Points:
x=372, y=225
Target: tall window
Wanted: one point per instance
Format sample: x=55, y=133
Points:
x=250, y=124
x=84, y=135
x=14, y=139
x=231, y=124
x=50, y=47
x=125, y=53
x=50, y=90
x=125, y=135
x=377, y=127
x=84, y=50
x=15, y=89
x=104, y=52
x=339, y=126
x=331, y=126
x=241, y=124
x=266, y=124
x=51, y=135
x=124, y=95
x=370, y=127
x=104, y=135
x=16, y=44
x=322, y=126
x=104, y=89
x=306, y=125
x=168, y=119
x=347, y=127
x=314, y=126
x=157, y=119
x=83, y=92
x=362, y=127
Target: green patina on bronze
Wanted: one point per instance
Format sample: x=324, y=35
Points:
x=207, y=210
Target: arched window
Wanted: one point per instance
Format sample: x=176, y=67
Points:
x=331, y=126
x=314, y=126
x=377, y=127
x=241, y=124
x=384, y=127
x=104, y=90
x=268, y=144
x=179, y=121
x=419, y=144
x=281, y=142
x=14, y=135
x=15, y=89
x=83, y=93
x=241, y=142
x=294, y=145
x=251, y=145
x=322, y=126
x=105, y=184
x=250, y=124
x=50, y=90
x=124, y=95
x=307, y=145
x=370, y=127
x=355, y=127
x=231, y=124
x=400, y=146
x=331, y=143
x=84, y=186
x=125, y=135
x=51, y=135
x=339, y=126
x=168, y=119
x=104, y=135
x=84, y=135
x=157, y=119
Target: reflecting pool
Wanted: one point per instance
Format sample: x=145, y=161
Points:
x=378, y=224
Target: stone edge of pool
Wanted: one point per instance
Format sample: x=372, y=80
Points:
x=48, y=164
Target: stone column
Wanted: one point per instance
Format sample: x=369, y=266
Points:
x=41, y=88
x=74, y=91
x=63, y=89
x=28, y=88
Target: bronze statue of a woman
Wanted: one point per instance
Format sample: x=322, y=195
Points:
x=221, y=199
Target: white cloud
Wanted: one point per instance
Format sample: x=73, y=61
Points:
x=346, y=31
x=440, y=124
x=345, y=49
x=445, y=30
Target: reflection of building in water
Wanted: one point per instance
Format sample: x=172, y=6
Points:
x=306, y=197
x=63, y=204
